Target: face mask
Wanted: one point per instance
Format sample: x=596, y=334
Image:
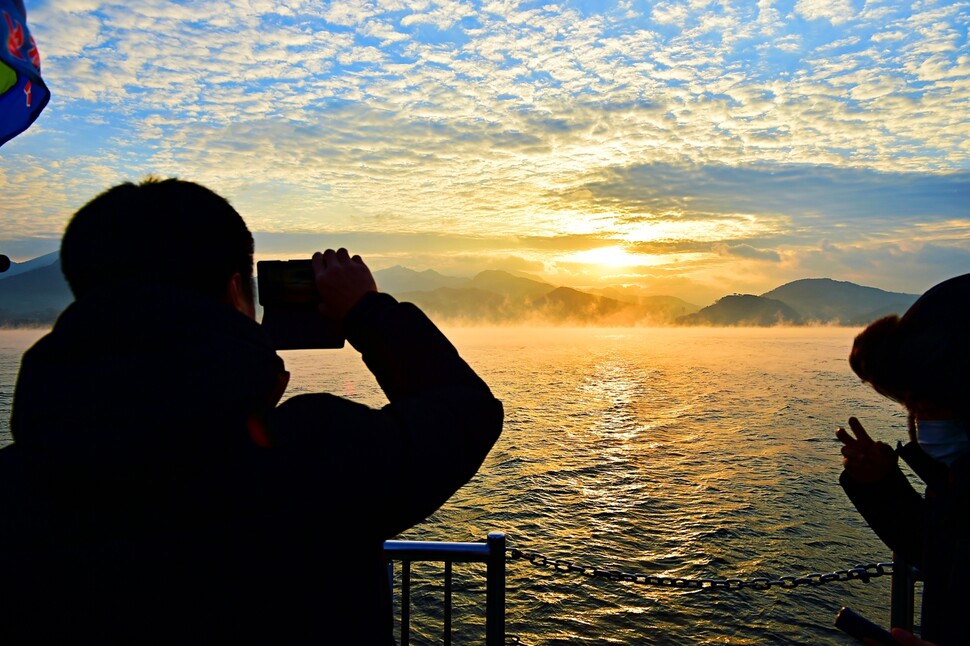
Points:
x=944, y=440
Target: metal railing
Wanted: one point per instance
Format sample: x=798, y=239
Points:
x=491, y=552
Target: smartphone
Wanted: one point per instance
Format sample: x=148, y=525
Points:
x=291, y=318
x=854, y=624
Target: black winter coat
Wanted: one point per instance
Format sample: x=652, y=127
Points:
x=155, y=494
x=931, y=533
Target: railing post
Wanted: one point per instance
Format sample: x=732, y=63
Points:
x=495, y=591
x=405, y=603
x=902, y=595
x=448, y=604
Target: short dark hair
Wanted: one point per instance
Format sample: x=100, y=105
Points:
x=168, y=231
x=923, y=356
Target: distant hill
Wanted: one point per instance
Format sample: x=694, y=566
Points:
x=743, y=309
x=465, y=305
x=510, y=285
x=832, y=301
x=34, y=297
x=571, y=305
x=35, y=263
x=498, y=297
x=35, y=292
x=661, y=308
x=807, y=301
x=401, y=279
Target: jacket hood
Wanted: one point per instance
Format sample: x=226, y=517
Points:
x=156, y=379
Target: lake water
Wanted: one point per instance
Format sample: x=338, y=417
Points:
x=676, y=452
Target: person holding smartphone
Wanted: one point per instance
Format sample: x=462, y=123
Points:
x=922, y=361
x=158, y=492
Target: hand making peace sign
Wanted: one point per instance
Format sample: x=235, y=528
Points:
x=864, y=459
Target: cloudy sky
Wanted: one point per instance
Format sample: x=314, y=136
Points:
x=693, y=148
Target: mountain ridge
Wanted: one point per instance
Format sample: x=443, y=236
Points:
x=36, y=295
x=828, y=300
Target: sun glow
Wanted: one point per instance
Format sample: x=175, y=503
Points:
x=612, y=257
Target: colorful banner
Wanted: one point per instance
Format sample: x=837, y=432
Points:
x=23, y=93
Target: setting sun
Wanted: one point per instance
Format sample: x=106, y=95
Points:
x=612, y=257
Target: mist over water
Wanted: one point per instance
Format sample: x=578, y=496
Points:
x=676, y=452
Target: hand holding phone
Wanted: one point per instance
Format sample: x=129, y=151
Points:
x=854, y=624
x=291, y=307
x=342, y=280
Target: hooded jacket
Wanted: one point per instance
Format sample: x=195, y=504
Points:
x=155, y=492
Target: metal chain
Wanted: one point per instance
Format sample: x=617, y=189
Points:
x=863, y=573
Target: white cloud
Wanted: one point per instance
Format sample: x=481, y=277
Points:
x=769, y=18
x=836, y=12
x=384, y=31
x=444, y=15
x=348, y=13
x=64, y=32
x=888, y=36
x=486, y=117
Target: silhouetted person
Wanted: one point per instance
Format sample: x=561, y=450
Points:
x=921, y=360
x=156, y=493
